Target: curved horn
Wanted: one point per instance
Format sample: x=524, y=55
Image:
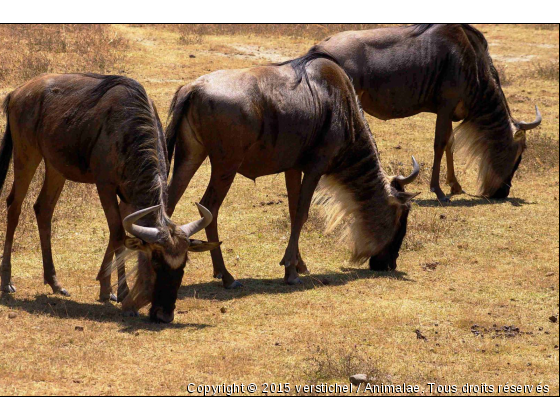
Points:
x=147, y=234
x=191, y=228
x=529, y=126
x=407, y=180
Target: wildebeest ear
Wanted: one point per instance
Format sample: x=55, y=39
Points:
x=405, y=197
x=135, y=244
x=202, y=246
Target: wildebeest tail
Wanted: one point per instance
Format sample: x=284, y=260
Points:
x=177, y=109
x=6, y=147
x=299, y=64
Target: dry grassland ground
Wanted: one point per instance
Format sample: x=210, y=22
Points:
x=477, y=278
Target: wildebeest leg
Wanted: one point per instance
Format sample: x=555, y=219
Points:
x=121, y=271
x=290, y=259
x=451, y=178
x=44, y=209
x=443, y=132
x=108, y=198
x=189, y=155
x=220, y=182
x=293, y=186
x=24, y=169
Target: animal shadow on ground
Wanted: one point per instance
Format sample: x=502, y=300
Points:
x=466, y=202
x=65, y=308
x=253, y=286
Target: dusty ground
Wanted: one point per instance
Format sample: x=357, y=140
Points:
x=478, y=279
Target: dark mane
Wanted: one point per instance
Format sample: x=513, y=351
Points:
x=486, y=134
x=142, y=149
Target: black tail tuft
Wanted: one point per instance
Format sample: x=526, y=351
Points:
x=177, y=109
x=6, y=147
x=299, y=64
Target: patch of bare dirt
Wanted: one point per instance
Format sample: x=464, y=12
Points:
x=513, y=58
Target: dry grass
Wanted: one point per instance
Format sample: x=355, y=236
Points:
x=307, y=31
x=29, y=50
x=547, y=70
x=474, y=262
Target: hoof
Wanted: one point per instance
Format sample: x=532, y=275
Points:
x=62, y=292
x=131, y=314
x=108, y=298
x=235, y=285
x=455, y=190
x=444, y=200
x=294, y=282
x=10, y=288
x=227, y=280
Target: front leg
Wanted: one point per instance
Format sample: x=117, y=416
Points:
x=290, y=260
x=108, y=198
x=293, y=187
x=443, y=133
x=451, y=178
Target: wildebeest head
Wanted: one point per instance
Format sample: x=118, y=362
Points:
x=163, y=255
x=386, y=259
x=519, y=129
x=498, y=149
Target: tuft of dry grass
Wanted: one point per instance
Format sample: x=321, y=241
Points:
x=327, y=364
x=474, y=262
x=547, y=70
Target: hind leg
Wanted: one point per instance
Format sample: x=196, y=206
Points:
x=220, y=182
x=293, y=186
x=44, y=209
x=24, y=169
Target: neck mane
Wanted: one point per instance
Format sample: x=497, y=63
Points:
x=486, y=135
x=144, y=171
x=358, y=190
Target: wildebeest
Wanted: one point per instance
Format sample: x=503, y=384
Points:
x=101, y=130
x=446, y=70
x=299, y=116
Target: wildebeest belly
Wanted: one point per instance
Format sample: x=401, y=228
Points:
x=263, y=159
x=72, y=164
x=77, y=156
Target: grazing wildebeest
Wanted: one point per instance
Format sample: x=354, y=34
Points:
x=299, y=116
x=101, y=130
x=446, y=70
